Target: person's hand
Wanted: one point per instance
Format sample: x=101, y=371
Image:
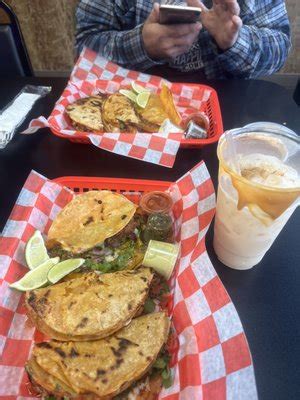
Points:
x=222, y=21
x=167, y=41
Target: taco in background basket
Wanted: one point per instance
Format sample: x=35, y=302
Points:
x=152, y=116
x=158, y=109
x=86, y=114
x=89, y=307
x=118, y=114
x=104, y=368
x=103, y=227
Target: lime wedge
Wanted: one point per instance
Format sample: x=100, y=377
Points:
x=35, y=251
x=142, y=99
x=62, y=269
x=138, y=88
x=129, y=94
x=37, y=277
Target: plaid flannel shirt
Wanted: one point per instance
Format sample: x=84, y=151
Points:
x=114, y=29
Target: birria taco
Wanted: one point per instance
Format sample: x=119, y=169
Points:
x=102, y=369
x=101, y=226
x=89, y=307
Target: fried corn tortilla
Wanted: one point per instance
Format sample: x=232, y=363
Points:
x=89, y=307
x=50, y=384
x=118, y=114
x=167, y=100
x=89, y=219
x=152, y=116
x=147, y=388
x=85, y=114
x=104, y=367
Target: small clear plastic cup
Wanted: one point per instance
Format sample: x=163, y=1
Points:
x=162, y=257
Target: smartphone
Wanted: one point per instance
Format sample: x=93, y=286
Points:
x=171, y=14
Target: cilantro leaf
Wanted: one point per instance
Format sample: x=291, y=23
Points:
x=149, y=306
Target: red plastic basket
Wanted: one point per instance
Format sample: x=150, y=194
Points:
x=211, y=108
x=131, y=188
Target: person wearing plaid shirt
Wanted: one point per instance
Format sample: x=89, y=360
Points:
x=243, y=39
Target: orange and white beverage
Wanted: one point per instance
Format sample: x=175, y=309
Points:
x=259, y=188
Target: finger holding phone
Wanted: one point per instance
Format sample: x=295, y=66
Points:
x=222, y=21
x=167, y=41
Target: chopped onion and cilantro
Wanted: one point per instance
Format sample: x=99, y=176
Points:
x=115, y=253
x=111, y=260
x=161, y=366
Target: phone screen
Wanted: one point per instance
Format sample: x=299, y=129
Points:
x=169, y=14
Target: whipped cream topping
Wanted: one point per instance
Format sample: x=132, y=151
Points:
x=268, y=171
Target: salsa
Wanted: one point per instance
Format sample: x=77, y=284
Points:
x=159, y=227
x=156, y=202
x=199, y=119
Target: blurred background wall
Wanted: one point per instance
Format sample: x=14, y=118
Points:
x=49, y=25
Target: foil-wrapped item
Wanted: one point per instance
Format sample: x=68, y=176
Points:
x=194, y=131
x=15, y=113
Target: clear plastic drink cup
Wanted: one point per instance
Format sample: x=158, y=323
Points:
x=258, y=191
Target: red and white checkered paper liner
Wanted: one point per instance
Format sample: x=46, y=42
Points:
x=93, y=73
x=213, y=361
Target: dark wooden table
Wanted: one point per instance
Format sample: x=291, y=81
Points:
x=266, y=297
